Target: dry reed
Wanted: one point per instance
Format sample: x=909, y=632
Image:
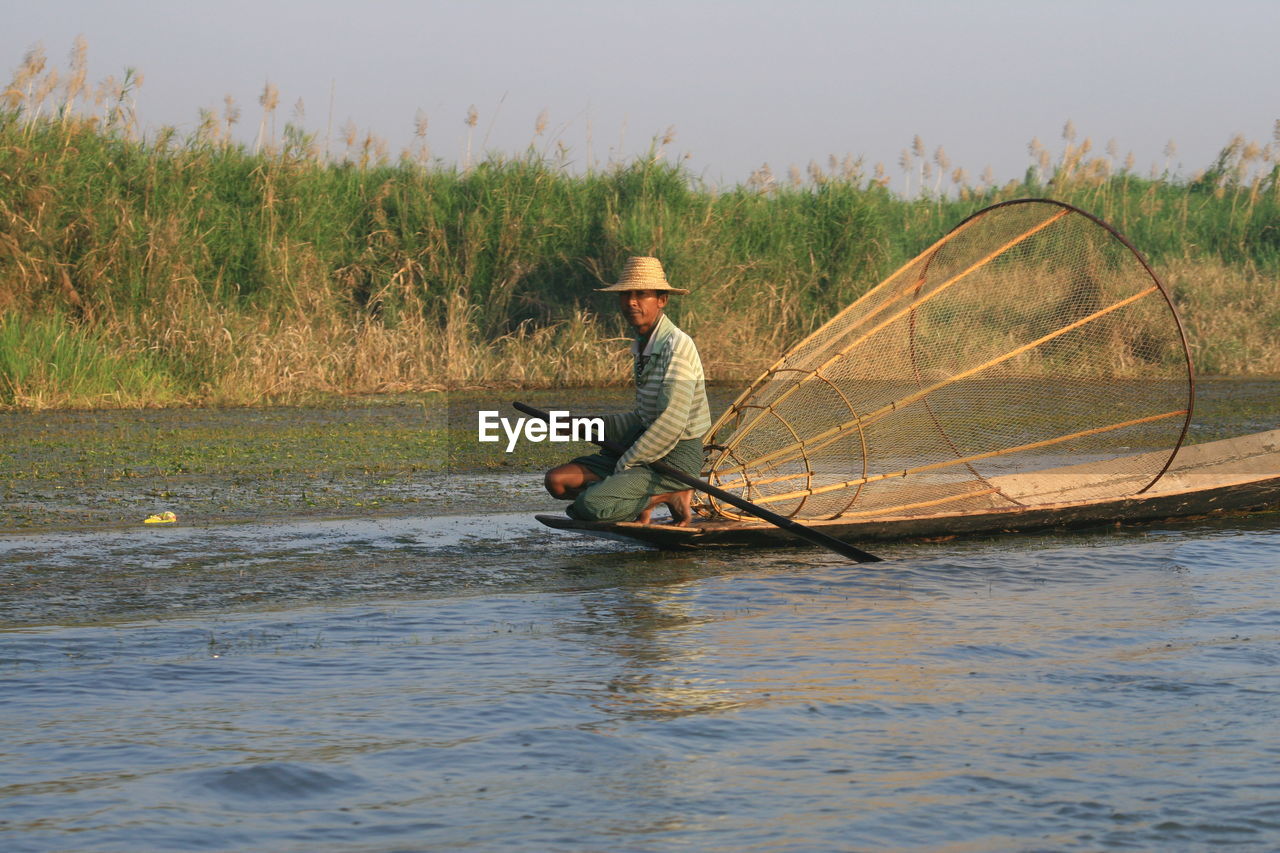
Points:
x=162, y=271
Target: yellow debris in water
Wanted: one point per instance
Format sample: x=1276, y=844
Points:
x=163, y=518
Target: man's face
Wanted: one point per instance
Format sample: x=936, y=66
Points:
x=642, y=308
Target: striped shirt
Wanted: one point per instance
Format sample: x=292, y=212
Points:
x=671, y=397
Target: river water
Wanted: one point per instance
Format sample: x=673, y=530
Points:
x=469, y=680
x=446, y=674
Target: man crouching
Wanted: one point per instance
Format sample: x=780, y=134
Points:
x=669, y=421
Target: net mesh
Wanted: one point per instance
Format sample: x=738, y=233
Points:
x=1030, y=336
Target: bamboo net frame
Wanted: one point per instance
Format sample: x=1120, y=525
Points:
x=1030, y=333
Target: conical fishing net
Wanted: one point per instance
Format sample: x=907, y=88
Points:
x=1031, y=337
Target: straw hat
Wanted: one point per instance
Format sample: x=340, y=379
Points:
x=642, y=274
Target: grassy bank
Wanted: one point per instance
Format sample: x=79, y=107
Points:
x=145, y=271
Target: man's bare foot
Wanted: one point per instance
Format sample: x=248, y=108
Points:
x=677, y=502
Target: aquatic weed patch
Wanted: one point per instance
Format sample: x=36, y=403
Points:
x=64, y=469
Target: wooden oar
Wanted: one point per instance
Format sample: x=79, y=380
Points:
x=796, y=529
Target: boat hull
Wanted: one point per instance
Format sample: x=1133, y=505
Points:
x=1235, y=475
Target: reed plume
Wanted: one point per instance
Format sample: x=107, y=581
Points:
x=200, y=270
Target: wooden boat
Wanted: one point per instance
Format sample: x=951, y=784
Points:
x=1236, y=474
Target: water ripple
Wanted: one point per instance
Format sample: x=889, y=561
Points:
x=419, y=684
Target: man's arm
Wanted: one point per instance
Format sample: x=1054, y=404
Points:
x=619, y=425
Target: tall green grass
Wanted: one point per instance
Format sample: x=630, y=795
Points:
x=47, y=361
x=200, y=269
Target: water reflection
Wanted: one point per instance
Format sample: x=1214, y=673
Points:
x=562, y=694
x=650, y=632
x=932, y=634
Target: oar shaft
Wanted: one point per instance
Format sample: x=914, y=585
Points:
x=787, y=524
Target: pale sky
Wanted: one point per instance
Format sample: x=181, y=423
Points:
x=742, y=83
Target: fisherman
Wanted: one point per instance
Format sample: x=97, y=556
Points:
x=668, y=423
